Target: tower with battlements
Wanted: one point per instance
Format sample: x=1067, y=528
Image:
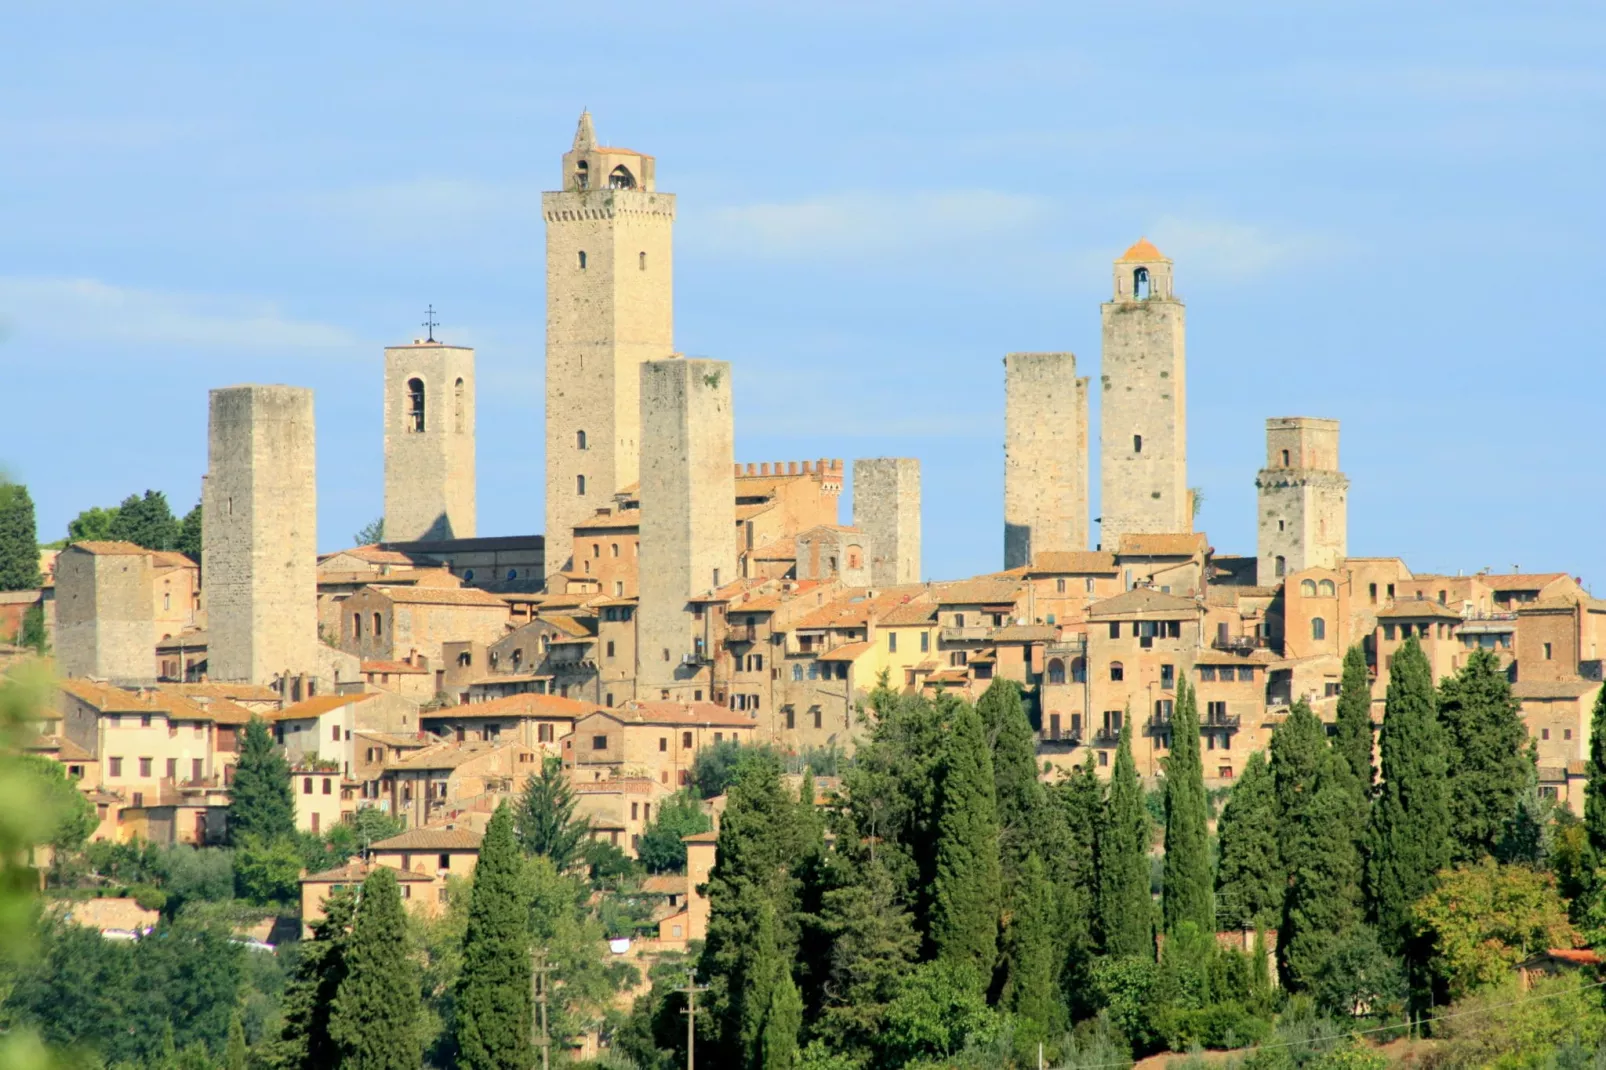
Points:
x=1045, y=456
x=688, y=520
x=609, y=285
x=886, y=507
x=259, y=548
x=1303, y=515
x=429, y=442
x=1143, y=442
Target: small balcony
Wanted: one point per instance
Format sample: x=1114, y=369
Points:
x=965, y=633
x=1242, y=645
x=1106, y=736
x=1230, y=721
x=741, y=633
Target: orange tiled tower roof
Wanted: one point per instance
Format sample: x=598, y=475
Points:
x=1143, y=249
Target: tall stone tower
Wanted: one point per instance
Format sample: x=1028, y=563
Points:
x=1045, y=456
x=429, y=442
x=259, y=539
x=886, y=507
x=1144, y=419
x=608, y=298
x=1303, y=518
x=106, y=612
x=688, y=516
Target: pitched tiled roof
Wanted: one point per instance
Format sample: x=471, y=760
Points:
x=1522, y=581
x=846, y=652
x=980, y=591
x=372, y=554
x=913, y=613
x=1414, y=608
x=1142, y=249
x=96, y=546
x=664, y=884
x=570, y=626
x=441, y=596
x=623, y=519
x=854, y=606
x=689, y=714
x=392, y=739
x=236, y=692
x=63, y=748
x=527, y=705
x=1079, y=562
x=1142, y=600
x=172, y=559
x=105, y=697
x=319, y=705
x=431, y=839
x=1025, y=633
x=449, y=755
x=355, y=872
x=778, y=550
x=1541, y=689
x=1176, y=544
x=401, y=667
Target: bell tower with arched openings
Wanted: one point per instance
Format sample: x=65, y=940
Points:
x=1143, y=420
x=429, y=442
x=609, y=289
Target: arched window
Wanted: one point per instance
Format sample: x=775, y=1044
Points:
x=1307, y=588
x=415, y=404
x=615, y=548
x=621, y=178
x=1140, y=283
x=1326, y=589
x=1318, y=628
x=1285, y=458
x=1282, y=564
x=1056, y=671
x=582, y=175
x=582, y=259
x=377, y=625
x=580, y=489
x=1078, y=670
x=579, y=440
x=1137, y=443
x=518, y=658
x=356, y=625
x=1117, y=671
x=458, y=404
x=546, y=644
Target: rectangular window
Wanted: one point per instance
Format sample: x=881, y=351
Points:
x=663, y=744
x=443, y=862
x=1115, y=629
x=685, y=739
x=1246, y=674
x=791, y=718
x=1168, y=676
x=172, y=769
x=543, y=733
x=334, y=733
x=144, y=767
x=1388, y=632
x=634, y=811
x=1544, y=733
x=719, y=737
x=892, y=642
x=1547, y=651
x=326, y=785
x=116, y=765
x=306, y=785
x=816, y=717
x=1207, y=673
x=599, y=742
x=196, y=769
x=925, y=642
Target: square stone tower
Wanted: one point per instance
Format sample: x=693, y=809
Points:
x=1045, y=456
x=259, y=537
x=1143, y=444
x=688, y=516
x=886, y=507
x=106, y=612
x=1304, y=518
x=608, y=299
x=429, y=442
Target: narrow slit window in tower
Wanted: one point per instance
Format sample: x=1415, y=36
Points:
x=1137, y=443
x=415, y=405
x=642, y=261
x=580, y=485
x=1140, y=284
x=579, y=440
x=1282, y=565
x=582, y=259
x=457, y=400
x=1285, y=458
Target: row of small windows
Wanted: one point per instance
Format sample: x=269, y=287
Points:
x=641, y=260
x=1312, y=589
x=415, y=406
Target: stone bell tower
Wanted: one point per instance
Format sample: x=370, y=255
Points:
x=1144, y=419
x=429, y=441
x=609, y=310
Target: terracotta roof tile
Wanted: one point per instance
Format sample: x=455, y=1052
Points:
x=1543, y=689
x=1142, y=249
x=96, y=546
x=236, y=692
x=664, y=884
x=1176, y=544
x=846, y=652
x=1078, y=562
x=441, y=596
x=431, y=839
x=526, y=705
x=678, y=713
x=854, y=606
x=355, y=872
x=1142, y=600
x=979, y=591
x=450, y=755
x=319, y=705
x=1414, y=608
x=393, y=666
x=1025, y=633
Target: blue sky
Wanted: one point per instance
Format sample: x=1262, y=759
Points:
x=1388, y=213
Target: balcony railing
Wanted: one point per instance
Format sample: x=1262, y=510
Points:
x=1105, y=736
x=1222, y=720
x=964, y=633
x=1239, y=644
x=742, y=633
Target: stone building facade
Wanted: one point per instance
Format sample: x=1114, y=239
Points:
x=688, y=510
x=1303, y=513
x=609, y=292
x=886, y=507
x=429, y=442
x=1143, y=422
x=105, y=612
x=259, y=550
x=1045, y=456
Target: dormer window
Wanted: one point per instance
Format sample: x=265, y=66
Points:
x=582, y=175
x=621, y=178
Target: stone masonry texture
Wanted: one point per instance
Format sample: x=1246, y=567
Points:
x=105, y=616
x=1045, y=456
x=886, y=507
x=1303, y=512
x=429, y=470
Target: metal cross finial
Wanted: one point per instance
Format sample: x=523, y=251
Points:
x=430, y=322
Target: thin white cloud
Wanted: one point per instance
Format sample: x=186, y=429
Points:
x=868, y=222
x=425, y=210
x=89, y=310
x=1238, y=252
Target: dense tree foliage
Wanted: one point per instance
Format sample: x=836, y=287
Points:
x=1488, y=756
x=145, y=521
x=1125, y=911
x=545, y=819
x=491, y=1028
x=189, y=533
x=967, y=891
x=261, y=806
x=662, y=846
x=19, y=539
x=1187, y=893
x=1352, y=726
x=1481, y=920
x=374, y=1021
x=1250, y=878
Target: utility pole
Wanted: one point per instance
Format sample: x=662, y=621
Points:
x=538, y=971
x=691, y=990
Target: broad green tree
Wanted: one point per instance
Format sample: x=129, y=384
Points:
x=1410, y=835
x=1125, y=912
x=1187, y=892
x=1484, y=919
x=260, y=803
x=375, y=1018
x=19, y=539
x=967, y=893
x=189, y=533
x=662, y=848
x=491, y=1024
x=546, y=822
x=92, y=525
x=1250, y=879
x=1488, y=755
x=146, y=521
x=370, y=533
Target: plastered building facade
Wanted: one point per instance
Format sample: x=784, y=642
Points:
x=429, y=442
x=105, y=613
x=609, y=291
x=1143, y=421
x=886, y=507
x=1045, y=456
x=1303, y=512
x=259, y=551
x=688, y=510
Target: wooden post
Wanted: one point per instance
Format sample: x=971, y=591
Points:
x=691, y=990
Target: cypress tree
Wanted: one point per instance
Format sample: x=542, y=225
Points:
x=1031, y=984
x=260, y=802
x=1125, y=910
x=492, y=1022
x=235, y=1053
x=1595, y=778
x=873, y=947
x=781, y=1025
x=964, y=920
x=1353, y=723
x=1079, y=803
x=546, y=822
x=1020, y=794
x=1250, y=878
x=1187, y=892
x=1323, y=901
x=374, y=1021
x=1488, y=757
x=19, y=539
x=304, y=1042
x=1409, y=838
